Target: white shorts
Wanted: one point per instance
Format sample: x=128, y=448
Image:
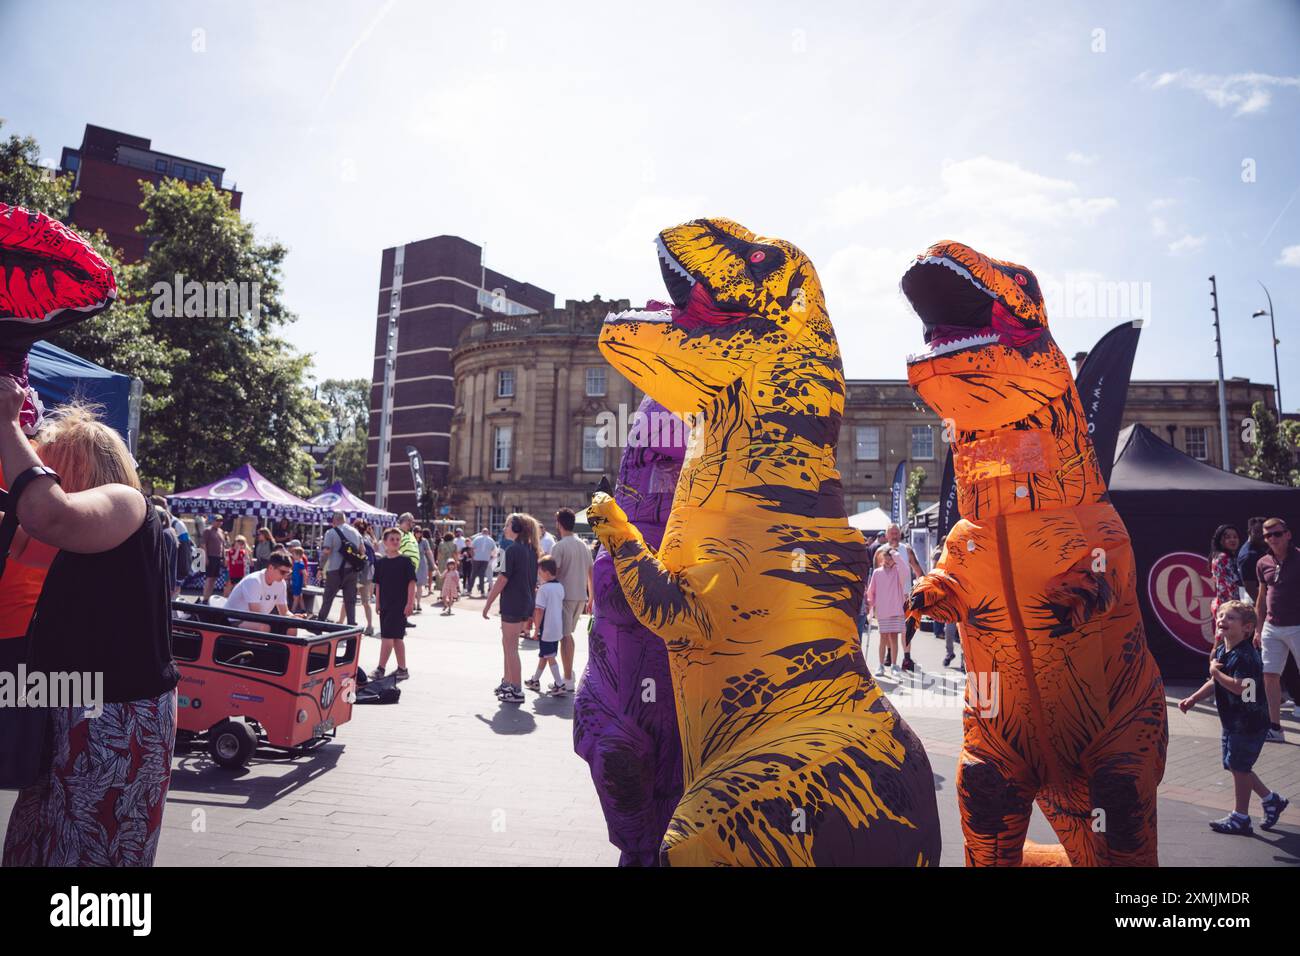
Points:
x=1277, y=641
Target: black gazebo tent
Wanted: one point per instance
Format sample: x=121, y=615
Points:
x=1171, y=504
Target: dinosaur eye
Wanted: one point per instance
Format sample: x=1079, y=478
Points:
x=1020, y=279
x=758, y=255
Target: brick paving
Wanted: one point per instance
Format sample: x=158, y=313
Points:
x=451, y=777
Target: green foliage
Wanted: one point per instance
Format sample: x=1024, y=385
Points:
x=24, y=182
x=915, y=479
x=1273, y=448
x=347, y=407
x=347, y=461
x=241, y=396
x=220, y=386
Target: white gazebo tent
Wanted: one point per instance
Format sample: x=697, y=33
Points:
x=875, y=520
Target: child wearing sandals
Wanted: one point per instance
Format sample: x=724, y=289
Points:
x=1237, y=683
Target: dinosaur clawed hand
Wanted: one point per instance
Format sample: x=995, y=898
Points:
x=1078, y=594
x=935, y=596
x=608, y=521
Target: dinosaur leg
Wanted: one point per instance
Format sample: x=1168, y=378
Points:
x=995, y=796
x=859, y=792
x=1124, y=773
x=1068, y=807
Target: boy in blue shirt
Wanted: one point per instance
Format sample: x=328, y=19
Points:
x=548, y=615
x=1237, y=682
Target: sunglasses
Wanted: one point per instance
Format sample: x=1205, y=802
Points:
x=1274, y=534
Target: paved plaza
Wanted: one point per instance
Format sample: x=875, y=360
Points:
x=450, y=777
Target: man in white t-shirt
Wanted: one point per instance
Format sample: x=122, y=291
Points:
x=264, y=592
x=547, y=542
x=483, y=548
x=909, y=570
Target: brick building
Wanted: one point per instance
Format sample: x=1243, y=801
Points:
x=429, y=293
x=107, y=169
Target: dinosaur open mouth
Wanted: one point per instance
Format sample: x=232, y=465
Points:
x=677, y=280
x=958, y=312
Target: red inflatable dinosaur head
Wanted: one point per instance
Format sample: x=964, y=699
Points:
x=49, y=278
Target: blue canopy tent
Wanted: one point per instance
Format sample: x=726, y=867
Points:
x=59, y=376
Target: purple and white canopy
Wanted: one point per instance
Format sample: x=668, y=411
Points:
x=337, y=497
x=245, y=491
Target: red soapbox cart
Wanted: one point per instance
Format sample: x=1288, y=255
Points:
x=243, y=688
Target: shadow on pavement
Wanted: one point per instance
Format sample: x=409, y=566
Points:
x=196, y=773
x=546, y=706
x=510, y=719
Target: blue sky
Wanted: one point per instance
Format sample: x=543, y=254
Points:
x=1123, y=151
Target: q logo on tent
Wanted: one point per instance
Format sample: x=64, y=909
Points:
x=271, y=492
x=1181, y=594
x=328, y=500
x=230, y=488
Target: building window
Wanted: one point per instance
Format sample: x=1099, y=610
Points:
x=595, y=382
x=868, y=504
x=1197, y=443
x=593, y=456
x=478, y=520
x=922, y=443
x=501, y=436
x=160, y=165
x=506, y=383
x=498, y=520
x=866, y=443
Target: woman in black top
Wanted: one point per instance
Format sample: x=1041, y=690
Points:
x=104, y=613
x=517, y=586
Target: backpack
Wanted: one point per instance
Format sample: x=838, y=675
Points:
x=354, y=559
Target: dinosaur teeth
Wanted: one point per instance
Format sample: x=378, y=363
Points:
x=953, y=267
x=640, y=315
x=673, y=264
x=955, y=345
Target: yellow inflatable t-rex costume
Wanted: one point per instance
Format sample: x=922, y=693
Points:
x=792, y=754
x=1040, y=577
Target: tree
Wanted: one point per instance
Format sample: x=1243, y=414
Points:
x=241, y=395
x=347, y=407
x=1273, y=456
x=347, y=461
x=915, y=479
x=120, y=337
x=25, y=182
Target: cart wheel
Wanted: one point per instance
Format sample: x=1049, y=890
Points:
x=231, y=744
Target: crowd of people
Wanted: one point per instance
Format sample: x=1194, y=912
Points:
x=94, y=565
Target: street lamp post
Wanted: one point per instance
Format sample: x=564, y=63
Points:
x=1272, y=327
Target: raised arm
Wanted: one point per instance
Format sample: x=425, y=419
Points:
x=86, y=522
x=671, y=603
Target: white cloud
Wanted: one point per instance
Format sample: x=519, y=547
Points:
x=978, y=195
x=1159, y=227
x=1290, y=257
x=863, y=201
x=1187, y=245
x=993, y=189
x=1245, y=92
x=1080, y=159
x=871, y=316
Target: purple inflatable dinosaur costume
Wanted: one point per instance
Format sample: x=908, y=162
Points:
x=625, y=721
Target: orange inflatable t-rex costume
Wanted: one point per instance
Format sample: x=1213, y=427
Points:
x=1066, y=705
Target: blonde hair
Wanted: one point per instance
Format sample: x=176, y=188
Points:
x=83, y=450
x=1244, y=611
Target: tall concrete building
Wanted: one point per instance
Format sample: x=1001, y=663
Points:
x=107, y=169
x=429, y=293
